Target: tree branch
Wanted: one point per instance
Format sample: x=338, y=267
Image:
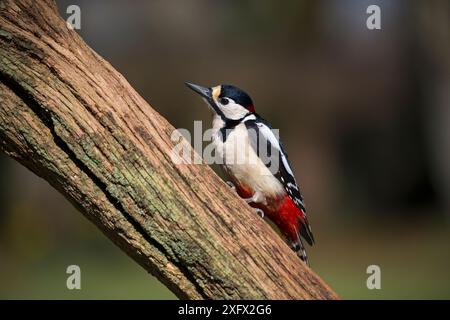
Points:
x=69, y=117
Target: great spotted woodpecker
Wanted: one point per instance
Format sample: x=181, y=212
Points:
x=248, y=146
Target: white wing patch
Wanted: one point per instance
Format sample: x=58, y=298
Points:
x=284, y=173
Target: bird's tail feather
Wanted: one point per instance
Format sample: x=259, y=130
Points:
x=306, y=232
x=299, y=248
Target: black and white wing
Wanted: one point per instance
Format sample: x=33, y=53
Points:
x=269, y=149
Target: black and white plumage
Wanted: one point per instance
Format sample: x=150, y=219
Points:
x=262, y=135
x=256, y=162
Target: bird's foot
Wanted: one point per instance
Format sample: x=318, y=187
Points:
x=231, y=185
x=248, y=200
x=260, y=212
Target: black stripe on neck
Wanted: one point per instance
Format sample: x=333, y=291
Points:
x=229, y=125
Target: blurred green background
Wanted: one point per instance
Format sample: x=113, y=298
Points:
x=364, y=116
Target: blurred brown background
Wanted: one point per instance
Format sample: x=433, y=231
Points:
x=364, y=116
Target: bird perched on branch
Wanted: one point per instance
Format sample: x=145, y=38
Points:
x=253, y=158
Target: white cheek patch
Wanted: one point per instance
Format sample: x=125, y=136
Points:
x=233, y=110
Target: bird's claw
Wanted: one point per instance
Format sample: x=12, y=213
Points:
x=248, y=200
x=231, y=185
x=260, y=212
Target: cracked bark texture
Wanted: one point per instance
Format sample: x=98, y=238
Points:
x=73, y=120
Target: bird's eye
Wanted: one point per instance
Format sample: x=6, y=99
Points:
x=223, y=101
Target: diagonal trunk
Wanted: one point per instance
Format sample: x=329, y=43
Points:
x=68, y=116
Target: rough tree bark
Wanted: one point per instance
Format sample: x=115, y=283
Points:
x=69, y=117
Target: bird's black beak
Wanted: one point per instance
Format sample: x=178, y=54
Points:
x=204, y=92
x=207, y=94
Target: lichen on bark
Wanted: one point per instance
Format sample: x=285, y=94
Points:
x=68, y=116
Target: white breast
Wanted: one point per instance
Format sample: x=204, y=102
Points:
x=242, y=162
